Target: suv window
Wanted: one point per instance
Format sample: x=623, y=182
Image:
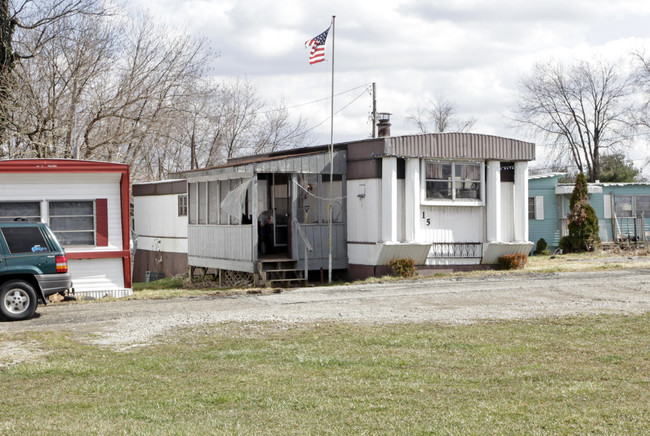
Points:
x=24, y=239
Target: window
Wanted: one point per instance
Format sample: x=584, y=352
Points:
x=531, y=208
x=453, y=180
x=28, y=211
x=182, y=205
x=73, y=222
x=623, y=205
x=24, y=239
x=643, y=205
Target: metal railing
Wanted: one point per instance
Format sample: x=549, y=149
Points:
x=456, y=250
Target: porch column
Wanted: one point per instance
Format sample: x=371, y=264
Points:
x=521, y=201
x=389, y=199
x=412, y=199
x=493, y=200
x=254, y=204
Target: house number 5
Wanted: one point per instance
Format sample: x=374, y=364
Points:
x=428, y=220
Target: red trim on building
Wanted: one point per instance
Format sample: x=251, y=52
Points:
x=98, y=254
x=126, y=226
x=84, y=166
x=101, y=221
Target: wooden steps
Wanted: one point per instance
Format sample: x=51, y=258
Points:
x=280, y=273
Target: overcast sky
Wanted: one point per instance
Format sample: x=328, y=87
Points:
x=471, y=51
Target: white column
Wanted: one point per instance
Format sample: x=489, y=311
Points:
x=521, y=201
x=412, y=199
x=389, y=199
x=254, y=214
x=493, y=201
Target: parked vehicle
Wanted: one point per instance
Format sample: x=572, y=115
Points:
x=33, y=266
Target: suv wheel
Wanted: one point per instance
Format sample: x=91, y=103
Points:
x=17, y=300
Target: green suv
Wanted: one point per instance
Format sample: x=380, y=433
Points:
x=33, y=266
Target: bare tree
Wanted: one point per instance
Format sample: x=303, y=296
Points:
x=126, y=89
x=441, y=114
x=583, y=108
x=22, y=20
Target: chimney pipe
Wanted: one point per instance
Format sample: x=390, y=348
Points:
x=384, y=124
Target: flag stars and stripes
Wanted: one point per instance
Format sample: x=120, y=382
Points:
x=317, y=45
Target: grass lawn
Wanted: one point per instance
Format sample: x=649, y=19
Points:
x=576, y=375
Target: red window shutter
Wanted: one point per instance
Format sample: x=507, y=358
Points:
x=101, y=221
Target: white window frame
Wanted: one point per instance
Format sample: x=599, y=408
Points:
x=452, y=201
x=57, y=232
x=31, y=218
x=182, y=205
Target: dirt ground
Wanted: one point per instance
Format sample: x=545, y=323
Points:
x=128, y=323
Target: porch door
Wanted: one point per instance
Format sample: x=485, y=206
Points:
x=281, y=206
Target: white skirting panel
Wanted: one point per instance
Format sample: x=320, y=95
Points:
x=97, y=276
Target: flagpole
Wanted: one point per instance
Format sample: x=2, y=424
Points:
x=329, y=206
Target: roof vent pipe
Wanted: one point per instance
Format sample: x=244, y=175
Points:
x=383, y=126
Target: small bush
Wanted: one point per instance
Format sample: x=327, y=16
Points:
x=541, y=246
x=512, y=261
x=403, y=267
x=566, y=245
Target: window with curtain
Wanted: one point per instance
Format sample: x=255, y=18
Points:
x=453, y=180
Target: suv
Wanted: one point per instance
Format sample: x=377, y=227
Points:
x=32, y=266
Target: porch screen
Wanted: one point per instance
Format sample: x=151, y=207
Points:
x=235, y=202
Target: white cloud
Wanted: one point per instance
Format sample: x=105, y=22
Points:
x=473, y=51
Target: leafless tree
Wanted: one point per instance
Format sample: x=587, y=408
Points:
x=25, y=28
x=125, y=89
x=583, y=108
x=441, y=114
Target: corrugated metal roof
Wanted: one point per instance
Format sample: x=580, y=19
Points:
x=459, y=146
x=545, y=176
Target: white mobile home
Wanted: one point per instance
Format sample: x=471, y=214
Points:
x=87, y=206
x=447, y=200
x=160, y=224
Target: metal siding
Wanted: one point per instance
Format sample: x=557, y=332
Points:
x=452, y=224
x=549, y=227
x=460, y=146
x=66, y=187
x=96, y=274
x=157, y=216
x=221, y=242
x=364, y=214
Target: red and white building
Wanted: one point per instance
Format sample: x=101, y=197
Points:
x=86, y=204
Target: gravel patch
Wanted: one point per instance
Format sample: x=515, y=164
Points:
x=126, y=324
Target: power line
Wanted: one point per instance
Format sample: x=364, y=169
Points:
x=365, y=86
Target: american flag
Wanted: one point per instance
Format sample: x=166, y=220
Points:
x=317, y=47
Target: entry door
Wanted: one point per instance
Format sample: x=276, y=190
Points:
x=281, y=204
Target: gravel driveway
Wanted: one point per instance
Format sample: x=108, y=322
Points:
x=123, y=324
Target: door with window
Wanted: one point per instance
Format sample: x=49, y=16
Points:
x=281, y=207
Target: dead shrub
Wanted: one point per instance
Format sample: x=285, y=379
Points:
x=403, y=267
x=512, y=261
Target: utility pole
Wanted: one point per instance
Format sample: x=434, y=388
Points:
x=374, y=110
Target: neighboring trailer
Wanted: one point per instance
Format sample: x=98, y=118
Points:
x=160, y=225
x=86, y=204
x=623, y=210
